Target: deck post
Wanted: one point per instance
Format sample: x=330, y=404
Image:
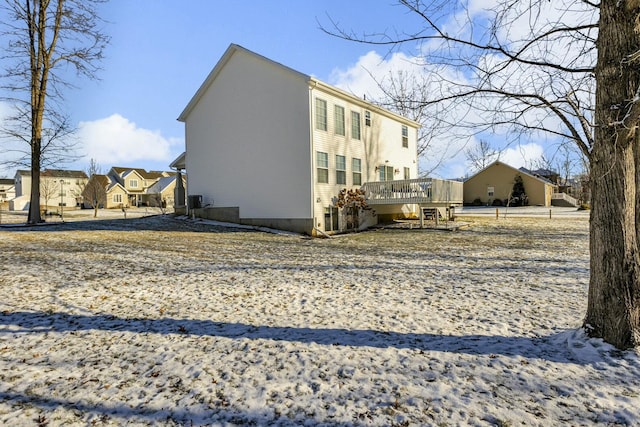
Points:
x=421, y=216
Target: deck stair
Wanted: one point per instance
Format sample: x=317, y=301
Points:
x=564, y=200
x=431, y=214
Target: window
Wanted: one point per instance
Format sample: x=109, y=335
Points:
x=355, y=125
x=338, y=116
x=330, y=219
x=407, y=173
x=405, y=136
x=133, y=183
x=341, y=172
x=490, y=191
x=322, y=167
x=367, y=118
x=386, y=173
x=321, y=114
x=117, y=198
x=356, y=167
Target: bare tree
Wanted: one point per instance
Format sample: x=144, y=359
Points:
x=49, y=188
x=568, y=70
x=95, y=190
x=481, y=155
x=43, y=39
x=407, y=94
x=565, y=164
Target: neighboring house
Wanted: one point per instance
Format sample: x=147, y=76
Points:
x=570, y=191
x=267, y=145
x=548, y=174
x=135, y=181
x=495, y=182
x=126, y=187
x=58, y=188
x=115, y=195
x=161, y=193
x=7, y=190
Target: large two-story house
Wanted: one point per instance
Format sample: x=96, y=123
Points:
x=267, y=145
x=59, y=189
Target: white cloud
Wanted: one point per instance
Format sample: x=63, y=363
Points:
x=361, y=78
x=116, y=140
x=523, y=155
x=5, y=111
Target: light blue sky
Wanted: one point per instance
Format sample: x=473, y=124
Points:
x=162, y=50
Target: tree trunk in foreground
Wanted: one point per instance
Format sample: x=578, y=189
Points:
x=613, y=311
x=34, y=215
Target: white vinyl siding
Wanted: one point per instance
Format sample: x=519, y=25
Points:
x=375, y=145
x=220, y=136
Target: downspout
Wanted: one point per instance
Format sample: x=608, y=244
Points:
x=312, y=199
x=186, y=180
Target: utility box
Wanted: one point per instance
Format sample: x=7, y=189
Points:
x=194, y=201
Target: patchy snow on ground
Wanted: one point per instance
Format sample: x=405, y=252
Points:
x=171, y=322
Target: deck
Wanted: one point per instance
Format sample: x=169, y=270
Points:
x=421, y=191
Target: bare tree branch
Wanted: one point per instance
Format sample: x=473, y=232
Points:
x=43, y=38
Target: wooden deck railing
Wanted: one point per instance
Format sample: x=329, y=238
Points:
x=565, y=198
x=410, y=191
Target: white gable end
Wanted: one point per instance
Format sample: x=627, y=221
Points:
x=247, y=139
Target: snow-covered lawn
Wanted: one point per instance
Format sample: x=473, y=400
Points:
x=161, y=321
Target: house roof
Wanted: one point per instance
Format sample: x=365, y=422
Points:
x=160, y=185
x=108, y=182
x=7, y=181
x=312, y=81
x=56, y=173
x=541, y=171
x=179, y=162
x=520, y=171
x=544, y=174
x=104, y=180
x=162, y=174
x=124, y=172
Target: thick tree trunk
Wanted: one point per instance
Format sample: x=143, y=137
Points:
x=34, y=197
x=613, y=311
